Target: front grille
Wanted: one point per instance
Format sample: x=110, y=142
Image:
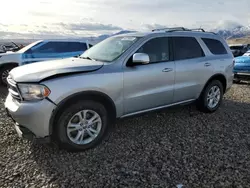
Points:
x=13, y=89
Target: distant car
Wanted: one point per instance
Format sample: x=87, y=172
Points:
x=239, y=49
x=242, y=67
x=40, y=51
x=12, y=47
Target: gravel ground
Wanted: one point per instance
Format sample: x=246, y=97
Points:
x=178, y=146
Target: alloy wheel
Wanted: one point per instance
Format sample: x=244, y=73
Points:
x=84, y=127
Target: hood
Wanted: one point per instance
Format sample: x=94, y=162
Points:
x=9, y=53
x=36, y=72
x=242, y=60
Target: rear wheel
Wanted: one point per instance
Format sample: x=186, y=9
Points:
x=82, y=126
x=211, y=97
x=4, y=72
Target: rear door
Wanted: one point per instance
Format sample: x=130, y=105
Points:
x=151, y=85
x=192, y=69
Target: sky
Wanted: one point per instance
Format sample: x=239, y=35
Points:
x=78, y=18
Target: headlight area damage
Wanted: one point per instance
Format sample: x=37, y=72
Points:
x=31, y=92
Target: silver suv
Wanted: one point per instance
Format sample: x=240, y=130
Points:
x=75, y=101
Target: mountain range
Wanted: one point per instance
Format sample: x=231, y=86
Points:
x=229, y=33
x=237, y=31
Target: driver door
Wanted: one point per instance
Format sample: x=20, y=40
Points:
x=150, y=85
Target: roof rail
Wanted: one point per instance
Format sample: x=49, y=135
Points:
x=172, y=29
x=198, y=29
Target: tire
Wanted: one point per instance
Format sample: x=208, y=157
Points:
x=62, y=135
x=3, y=71
x=203, y=104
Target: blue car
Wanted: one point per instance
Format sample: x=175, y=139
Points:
x=242, y=68
x=38, y=51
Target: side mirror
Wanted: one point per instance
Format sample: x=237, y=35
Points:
x=140, y=58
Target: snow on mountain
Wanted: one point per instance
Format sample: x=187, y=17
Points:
x=237, y=32
x=228, y=30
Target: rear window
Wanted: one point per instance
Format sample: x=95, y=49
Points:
x=215, y=46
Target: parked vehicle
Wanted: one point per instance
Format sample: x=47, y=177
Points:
x=75, y=101
x=11, y=47
x=239, y=49
x=40, y=51
x=242, y=68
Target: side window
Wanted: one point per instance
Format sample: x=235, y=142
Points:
x=52, y=47
x=30, y=50
x=76, y=46
x=157, y=49
x=215, y=46
x=186, y=48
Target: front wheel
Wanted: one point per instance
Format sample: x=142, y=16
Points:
x=211, y=97
x=4, y=72
x=82, y=126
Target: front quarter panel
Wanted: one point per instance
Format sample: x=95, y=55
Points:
x=104, y=81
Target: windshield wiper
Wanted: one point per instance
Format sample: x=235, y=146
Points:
x=86, y=58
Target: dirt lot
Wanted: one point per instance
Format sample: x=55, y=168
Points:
x=164, y=149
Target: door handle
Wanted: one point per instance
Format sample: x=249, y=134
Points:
x=167, y=70
x=207, y=64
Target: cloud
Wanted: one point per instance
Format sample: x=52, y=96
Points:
x=58, y=30
x=227, y=24
x=157, y=26
x=91, y=27
x=95, y=17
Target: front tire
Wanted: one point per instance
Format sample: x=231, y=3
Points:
x=82, y=126
x=4, y=72
x=211, y=97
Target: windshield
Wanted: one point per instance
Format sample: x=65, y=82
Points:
x=109, y=49
x=24, y=49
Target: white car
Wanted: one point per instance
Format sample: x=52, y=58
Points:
x=41, y=50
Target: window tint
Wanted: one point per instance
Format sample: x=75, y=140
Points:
x=157, y=49
x=76, y=46
x=60, y=47
x=215, y=46
x=51, y=47
x=186, y=48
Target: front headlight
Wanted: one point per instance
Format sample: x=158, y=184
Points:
x=33, y=91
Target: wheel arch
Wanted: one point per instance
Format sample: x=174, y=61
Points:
x=8, y=64
x=219, y=77
x=3, y=67
x=85, y=95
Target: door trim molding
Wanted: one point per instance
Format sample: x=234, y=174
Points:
x=157, y=108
